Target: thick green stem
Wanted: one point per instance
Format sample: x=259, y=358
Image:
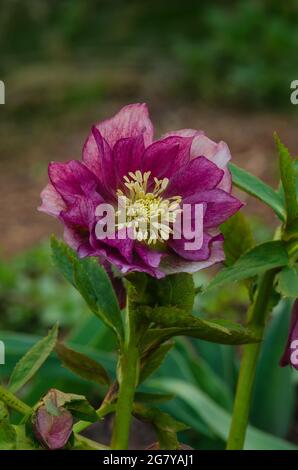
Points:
x=13, y=402
x=257, y=322
x=128, y=378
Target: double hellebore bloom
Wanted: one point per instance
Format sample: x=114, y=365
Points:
x=290, y=355
x=155, y=181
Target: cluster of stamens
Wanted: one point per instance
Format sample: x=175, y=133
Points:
x=148, y=215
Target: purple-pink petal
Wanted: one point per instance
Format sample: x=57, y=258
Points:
x=130, y=121
x=51, y=201
x=220, y=206
x=166, y=156
x=200, y=174
x=127, y=156
x=72, y=179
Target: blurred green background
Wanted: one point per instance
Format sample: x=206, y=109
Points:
x=225, y=67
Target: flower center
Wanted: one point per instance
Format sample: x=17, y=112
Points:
x=148, y=214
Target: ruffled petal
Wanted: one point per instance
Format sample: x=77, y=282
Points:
x=199, y=174
x=220, y=206
x=51, y=201
x=130, y=121
x=72, y=179
x=166, y=156
x=127, y=155
x=218, y=153
x=203, y=253
x=175, y=264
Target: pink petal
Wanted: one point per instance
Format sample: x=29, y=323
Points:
x=130, y=121
x=51, y=201
x=166, y=156
x=174, y=264
x=199, y=175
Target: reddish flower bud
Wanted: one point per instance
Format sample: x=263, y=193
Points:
x=52, y=424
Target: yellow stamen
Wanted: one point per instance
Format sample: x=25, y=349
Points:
x=147, y=213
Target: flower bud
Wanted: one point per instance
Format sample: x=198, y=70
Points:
x=52, y=425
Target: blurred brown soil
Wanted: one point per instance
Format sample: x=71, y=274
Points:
x=27, y=146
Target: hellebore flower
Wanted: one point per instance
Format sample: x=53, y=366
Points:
x=290, y=355
x=155, y=180
x=52, y=424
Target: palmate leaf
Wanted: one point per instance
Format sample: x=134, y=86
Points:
x=29, y=364
x=93, y=283
x=257, y=188
x=258, y=260
x=174, y=322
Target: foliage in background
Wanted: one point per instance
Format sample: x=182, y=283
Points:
x=237, y=52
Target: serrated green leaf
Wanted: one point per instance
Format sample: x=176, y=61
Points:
x=64, y=258
x=181, y=324
x=288, y=179
x=287, y=282
x=32, y=361
x=263, y=257
x=93, y=283
x=82, y=365
x=165, y=426
x=151, y=361
x=177, y=290
x=257, y=188
x=238, y=237
x=95, y=286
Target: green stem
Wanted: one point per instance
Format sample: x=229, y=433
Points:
x=128, y=378
x=257, y=322
x=13, y=402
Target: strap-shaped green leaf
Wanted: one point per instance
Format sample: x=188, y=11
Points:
x=257, y=188
x=217, y=418
x=29, y=364
x=261, y=258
